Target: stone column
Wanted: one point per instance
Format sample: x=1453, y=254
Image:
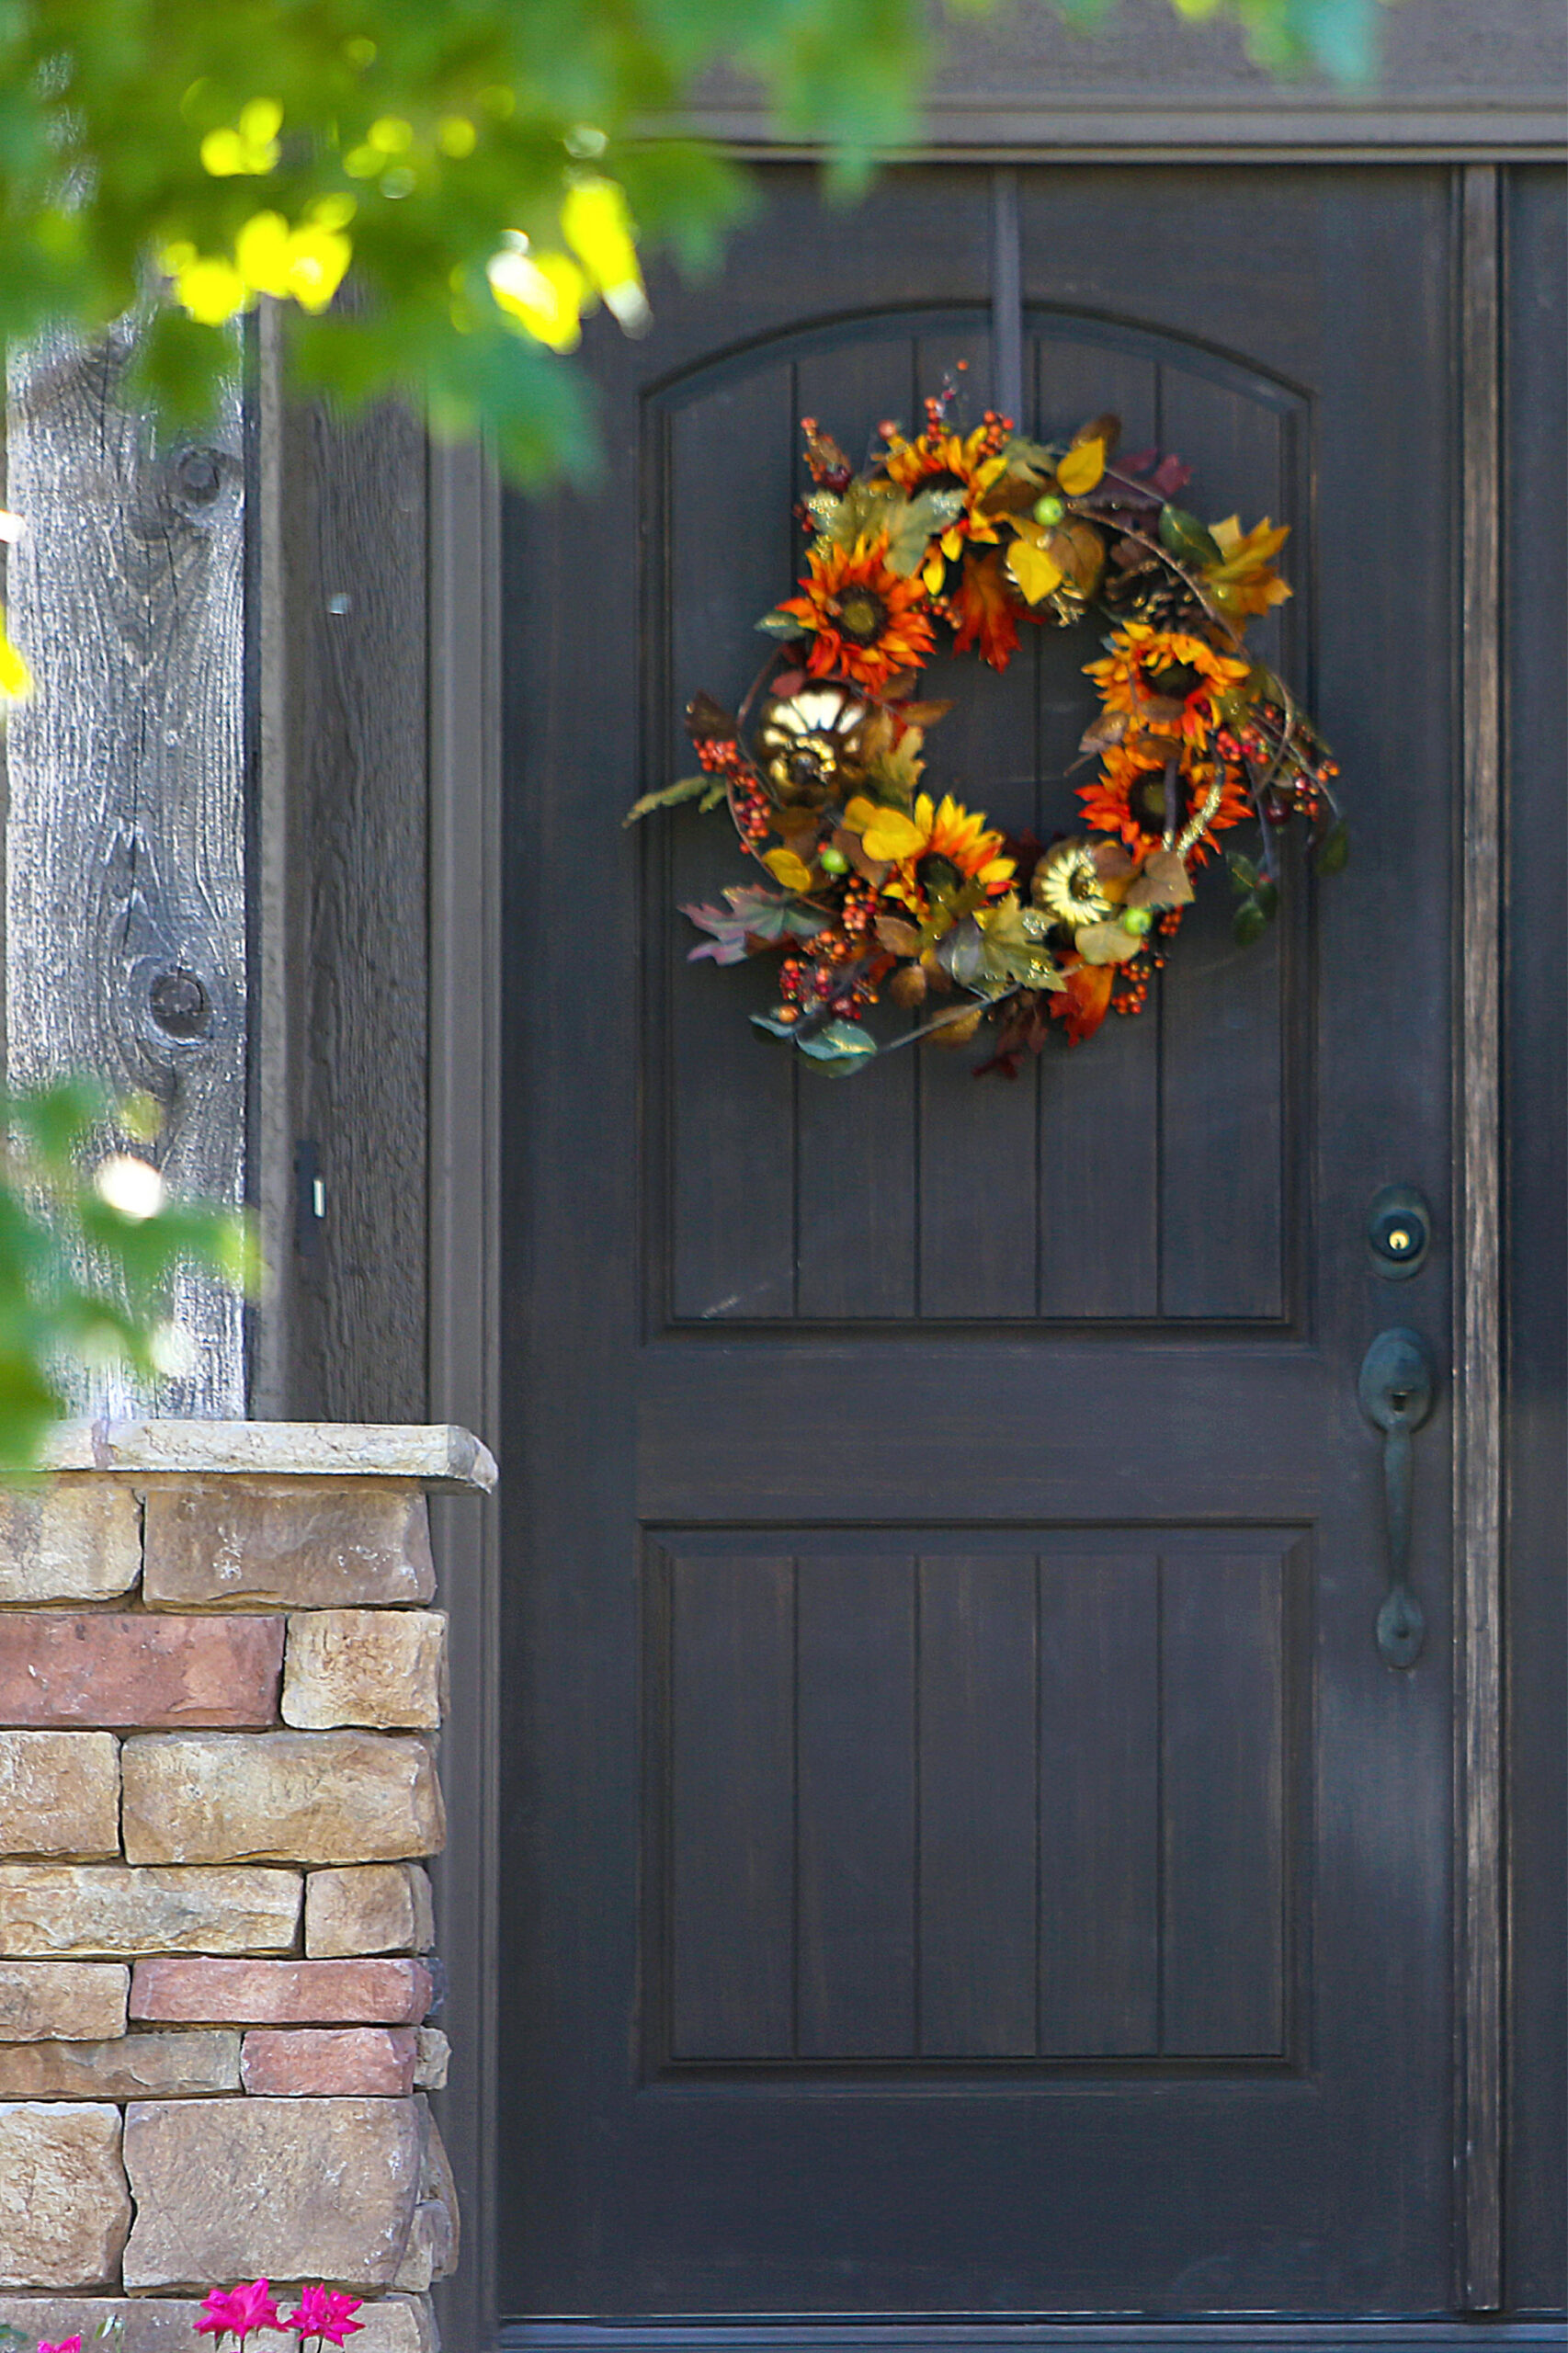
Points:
x=220, y=1685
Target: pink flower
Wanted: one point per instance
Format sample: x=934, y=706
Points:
x=326, y=2314
x=238, y=2310
x=66, y=2345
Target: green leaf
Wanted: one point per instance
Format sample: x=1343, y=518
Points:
x=669, y=796
x=1186, y=538
x=1244, y=874
x=774, y=1028
x=1249, y=922
x=781, y=625
x=843, y=1044
x=1334, y=851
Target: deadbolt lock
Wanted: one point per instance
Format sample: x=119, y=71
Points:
x=1399, y=1232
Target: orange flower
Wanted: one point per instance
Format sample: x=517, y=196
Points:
x=1165, y=666
x=944, y=829
x=865, y=623
x=985, y=614
x=1084, y=1001
x=1128, y=798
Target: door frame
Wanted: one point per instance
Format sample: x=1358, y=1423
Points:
x=465, y=845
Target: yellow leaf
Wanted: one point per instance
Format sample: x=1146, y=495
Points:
x=1081, y=469
x=16, y=678
x=936, y=571
x=597, y=226
x=544, y=292
x=1033, y=570
x=892, y=835
x=859, y=813
x=211, y=290
x=261, y=251
x=792, y=873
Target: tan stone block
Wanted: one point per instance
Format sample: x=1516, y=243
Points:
x=368, y=1907
x=147, y=2323
x=366, y=1666
x=397, y=2324
x=433, y=2056
x=302, y=1543
x=309, y=1797
x=58, y=1793
x=431, y=2253
x=114, y=1908
x=317, y=2062
x=67, y=2001
x=228, y=2189
x=133, y=2066
x=63, y=1666
x=280, y=1993
x=63, y=2208
x=77, y=1540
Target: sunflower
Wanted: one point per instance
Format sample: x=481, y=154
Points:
x=865, y=622
x=1166, y=667
x=936, y=835
x=1128, y=798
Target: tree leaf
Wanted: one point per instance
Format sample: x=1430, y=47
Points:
x=1080, y=550
x=782, y=625
x=669, y=796
x=956, y=1031
x=1105, y=428
x=1248, y=923
x=1244, y=874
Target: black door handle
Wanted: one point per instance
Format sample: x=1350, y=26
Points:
x=1398, y=1381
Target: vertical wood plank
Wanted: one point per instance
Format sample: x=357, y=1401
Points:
x=1098, y=1104
x=855, y=1807
x=1478, y=1544
x=732, y=1803
x=1223, y=1828
x=723, y=515
x=357, y=752
x=1222, y=1008
x=125, y=826
x=978, y=1787
x=1098, y=1805
x=856, y=1203
x=976, y=1144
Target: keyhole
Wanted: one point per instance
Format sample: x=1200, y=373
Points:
x=1399, y=1399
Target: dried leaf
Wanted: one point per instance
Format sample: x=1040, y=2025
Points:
x=1164, y=883
x=1080, y=550
x=1101, y=733
x=1162, y=711
x=1084, y=1001
x=1112, y=862
x=902, y=938
x=960, y=1029
x=907, y=986
x=984, y=613
x=1107, y=943
x=1105, y=428
x=708, y=722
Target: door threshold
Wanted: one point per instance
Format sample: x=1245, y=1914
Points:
x=1433, y=2334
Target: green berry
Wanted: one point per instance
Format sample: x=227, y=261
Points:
x=833, y=862
x=1048, y=510
x=1137, y=920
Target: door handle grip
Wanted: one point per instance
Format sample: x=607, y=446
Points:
x=1396, y=1389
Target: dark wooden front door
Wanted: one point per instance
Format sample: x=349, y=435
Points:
x=969, y=1855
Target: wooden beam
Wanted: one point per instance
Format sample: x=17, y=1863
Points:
x=1478, y=1369
x=125, y=949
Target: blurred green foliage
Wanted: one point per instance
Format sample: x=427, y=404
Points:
x=478, y=163
x=90, y=1241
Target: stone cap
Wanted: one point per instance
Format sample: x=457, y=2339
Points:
x=438, y=1454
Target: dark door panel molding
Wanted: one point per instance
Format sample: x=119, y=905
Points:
x=774, y=2336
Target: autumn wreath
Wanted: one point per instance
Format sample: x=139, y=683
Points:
x=878, y=889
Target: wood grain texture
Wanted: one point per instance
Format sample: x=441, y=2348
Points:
x=355, y=559
x=1478, y=1501
x=125, y=832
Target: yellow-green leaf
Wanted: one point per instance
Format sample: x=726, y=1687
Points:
x=1107, y=943
x=792, y=873
x=891, y=836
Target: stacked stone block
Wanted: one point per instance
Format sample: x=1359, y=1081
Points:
x=220, y=1692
